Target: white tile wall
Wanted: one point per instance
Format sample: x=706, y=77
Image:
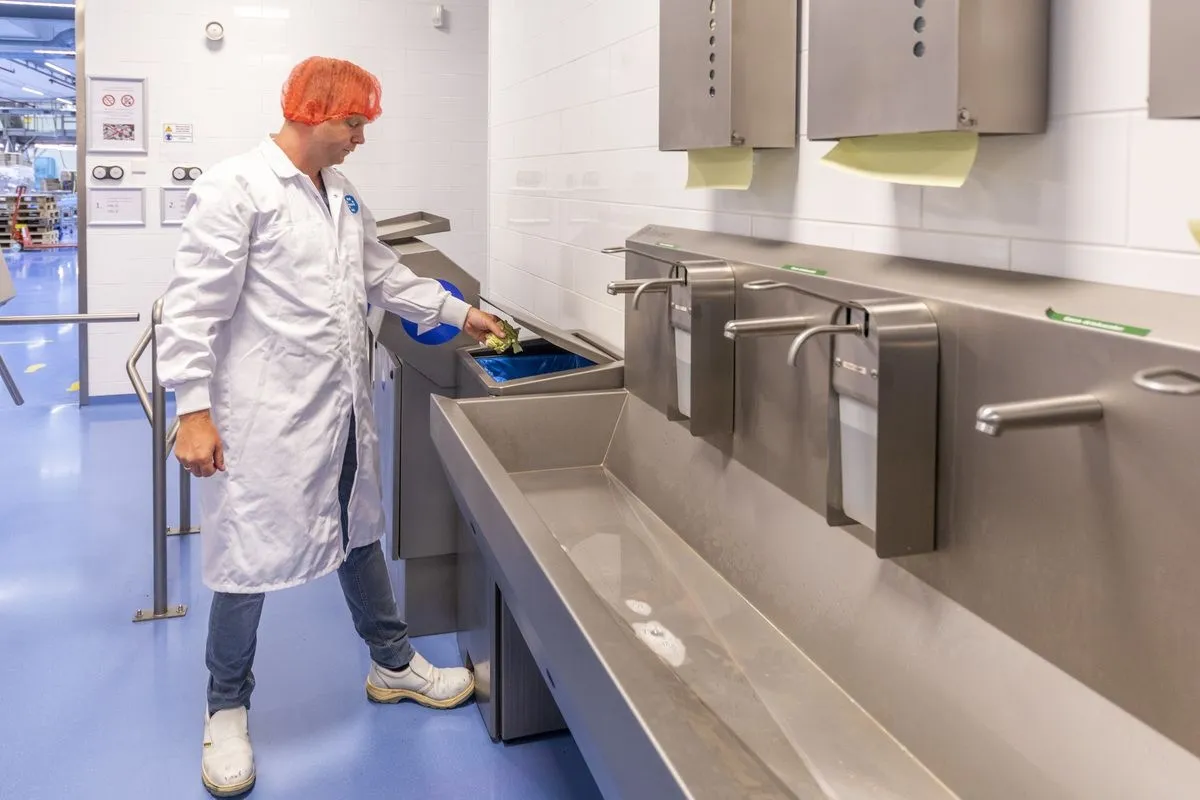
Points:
x=1104, y=195
x=428, y=151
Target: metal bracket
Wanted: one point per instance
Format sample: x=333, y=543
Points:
x=1186, y=384
x=149, y=615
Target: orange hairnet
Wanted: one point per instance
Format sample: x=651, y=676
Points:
x=322, y=89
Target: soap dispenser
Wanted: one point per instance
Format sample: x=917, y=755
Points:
x=883, y=422
x=704, y=358
x=701, y=298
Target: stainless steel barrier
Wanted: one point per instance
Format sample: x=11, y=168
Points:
x=52, y=319
x=154, y=403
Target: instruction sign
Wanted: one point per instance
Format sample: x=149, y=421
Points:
x=180, y=132
x=174, y=205
x=1099, y=324
x=116, y=205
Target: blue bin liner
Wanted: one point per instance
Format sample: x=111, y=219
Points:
x=509, y=367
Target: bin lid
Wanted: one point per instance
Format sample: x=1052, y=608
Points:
x=409, y=226
x=553, y=334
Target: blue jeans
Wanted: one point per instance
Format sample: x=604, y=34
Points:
x=233, y=618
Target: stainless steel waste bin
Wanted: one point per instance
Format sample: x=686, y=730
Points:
x=511, y=693
x=410, y=365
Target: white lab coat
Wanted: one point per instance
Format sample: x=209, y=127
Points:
x=265, y=324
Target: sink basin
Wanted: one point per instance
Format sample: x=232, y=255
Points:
x=672, y=683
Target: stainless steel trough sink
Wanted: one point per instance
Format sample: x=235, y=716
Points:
x=672, y=683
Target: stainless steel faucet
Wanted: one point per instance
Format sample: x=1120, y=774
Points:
x=1050, y=412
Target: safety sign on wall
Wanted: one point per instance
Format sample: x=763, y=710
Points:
x=178, y=132
x=117, y=115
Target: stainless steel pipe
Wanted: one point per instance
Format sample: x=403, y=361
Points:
x=158, y=465
x=766, y=326
x=77, y=319
x=1050, y=412
x=10, y=384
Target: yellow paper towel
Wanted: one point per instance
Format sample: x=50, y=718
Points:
x=720, y=168
x=921, y=159
x=1194, y=227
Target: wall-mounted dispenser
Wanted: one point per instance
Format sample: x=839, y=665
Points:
x=1174, y=59
x=883, y=421
x=910, y=66
x=727, y=74
x=701, y=300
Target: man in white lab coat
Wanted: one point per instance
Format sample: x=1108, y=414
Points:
x=264, y=341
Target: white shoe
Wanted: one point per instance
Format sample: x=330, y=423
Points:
x=228, y=764
x=421, y=682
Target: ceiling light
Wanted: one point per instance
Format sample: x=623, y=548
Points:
x=52, y=52
x=30, y=3
x=33, y=91
x=57, y=68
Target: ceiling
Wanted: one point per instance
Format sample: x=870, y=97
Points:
x=37, y=62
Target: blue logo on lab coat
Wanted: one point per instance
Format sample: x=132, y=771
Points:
x=352, y=204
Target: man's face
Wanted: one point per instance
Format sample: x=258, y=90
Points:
x=338, y=138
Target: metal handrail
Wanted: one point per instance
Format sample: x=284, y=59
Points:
x=75, y=319
x=154, y=403
x=53, y=319
x=139, y=386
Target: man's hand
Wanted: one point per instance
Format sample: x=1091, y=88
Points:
x=481, y=324
x=198, y=446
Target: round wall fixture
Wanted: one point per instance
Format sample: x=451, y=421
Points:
x=215, y=31
x=186, y=173
x=102, y=173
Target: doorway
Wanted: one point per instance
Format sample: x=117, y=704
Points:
x=39, y=235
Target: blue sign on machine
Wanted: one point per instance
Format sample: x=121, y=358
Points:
x=442, y=333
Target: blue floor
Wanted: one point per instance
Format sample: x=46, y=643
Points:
x=93, y=705
x=44, y=359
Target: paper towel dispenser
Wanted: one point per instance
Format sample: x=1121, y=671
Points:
x=1174, y=59
x=727, y=72
x=910, y=66
x=883, y=422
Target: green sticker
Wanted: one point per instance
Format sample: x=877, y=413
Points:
x=805, y=270
x=1087, y=322
x=668, y=245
